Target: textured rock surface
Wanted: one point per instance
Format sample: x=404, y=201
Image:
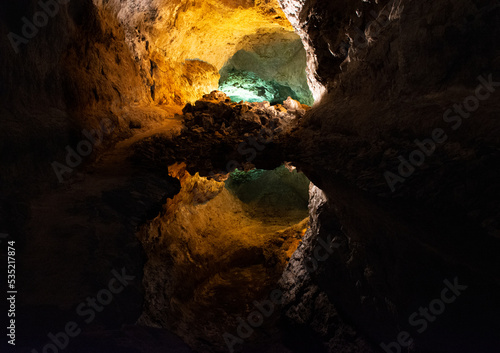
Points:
x=112, y=59
x=277, y=57
x=73, y=74
x=219, y=136
x=74, y=238
x=306, y=306
x=379, y=85
x=383, y=85
x=246, y=86
x=166, y=36
x=210, y=254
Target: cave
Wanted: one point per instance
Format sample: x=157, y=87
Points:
x=271, y=69
x=252, y=176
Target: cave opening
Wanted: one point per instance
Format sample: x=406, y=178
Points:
x=218, y=246
x=270, y=67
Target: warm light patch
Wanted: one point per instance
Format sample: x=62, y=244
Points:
x=164, y=34
x=221, y=245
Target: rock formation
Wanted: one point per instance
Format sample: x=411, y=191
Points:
x=401, y=147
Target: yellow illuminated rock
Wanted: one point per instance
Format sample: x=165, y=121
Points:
x=181, y=45
x=211, y=254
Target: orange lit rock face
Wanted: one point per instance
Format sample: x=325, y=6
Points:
x=219, y=246
x=181, y=45
x=210, y=255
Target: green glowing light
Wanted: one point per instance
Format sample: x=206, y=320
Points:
x=240, y=94
x=247, y=86
x=239, y=176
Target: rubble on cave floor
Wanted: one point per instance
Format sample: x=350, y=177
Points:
x=219, y=135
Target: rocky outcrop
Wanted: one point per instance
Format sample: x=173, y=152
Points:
x=401, y=143
x=219, y=136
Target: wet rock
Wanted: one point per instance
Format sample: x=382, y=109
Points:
x=211, y=140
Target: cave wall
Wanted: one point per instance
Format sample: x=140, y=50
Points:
x=98, y=60
x=385, y=75
x=75, y=73
x=181, y=45
x=214, y=249
x=278, y=57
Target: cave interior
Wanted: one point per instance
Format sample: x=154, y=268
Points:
x=253, y=176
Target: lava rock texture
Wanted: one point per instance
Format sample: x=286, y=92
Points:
x=402, y=146
x=385, y=74
x=219, y=136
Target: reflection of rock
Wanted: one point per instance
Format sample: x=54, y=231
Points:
x=210, y=256
x=294, y=106
x=217, y=131
x=278, y=189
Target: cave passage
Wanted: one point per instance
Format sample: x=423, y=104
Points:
x=126, y=230
x=271, y=70
x=223, y=245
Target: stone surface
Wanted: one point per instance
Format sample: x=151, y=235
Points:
x=219, y=136
x=278, y=58
x=181, y=45
x=380, y=86
x=246, y=86
x=383, y=74
x=213, y=251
